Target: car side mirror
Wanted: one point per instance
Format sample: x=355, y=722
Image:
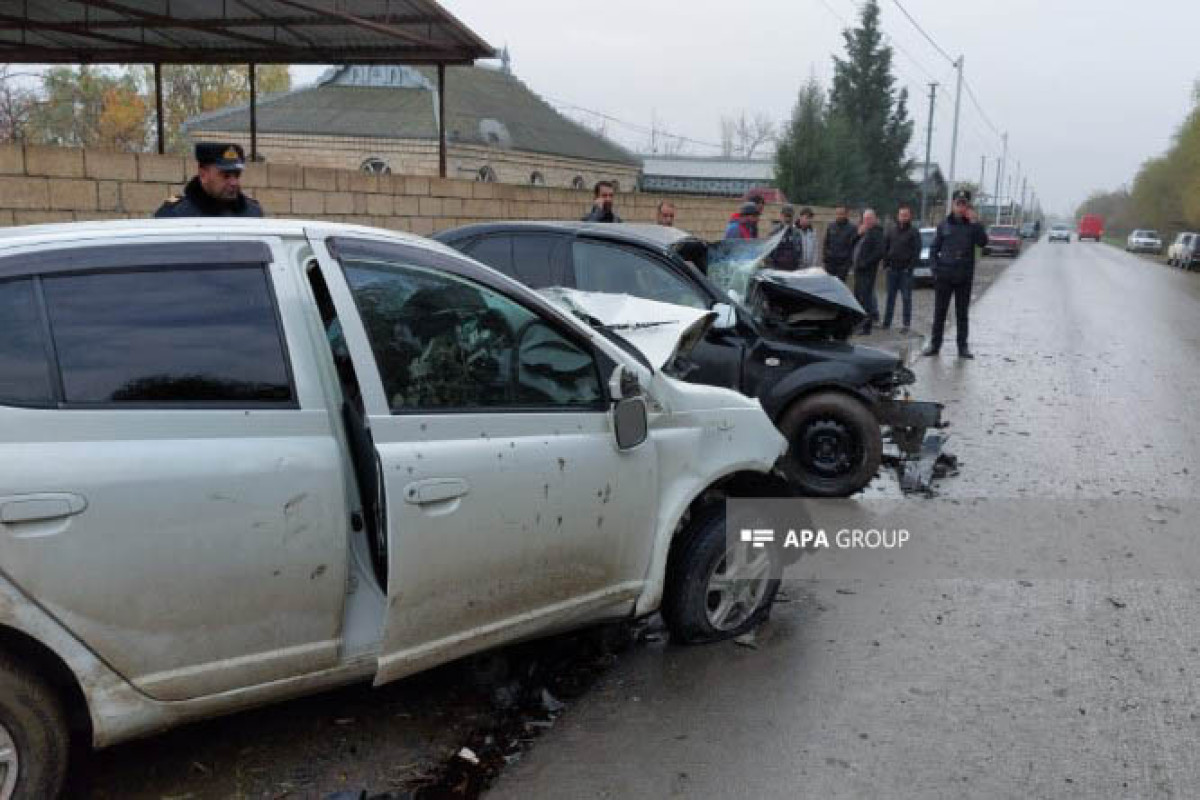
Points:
x=726, y=317
x=630, y=422
x=624, y=383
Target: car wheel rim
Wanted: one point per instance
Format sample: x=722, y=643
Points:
x=736, y=586
x=9, y=764
x=829, y=448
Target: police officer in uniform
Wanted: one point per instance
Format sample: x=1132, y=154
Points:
x=953, y=257
x=216, y=190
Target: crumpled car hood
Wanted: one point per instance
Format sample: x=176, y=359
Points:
x=808, y=303
x=661, y=331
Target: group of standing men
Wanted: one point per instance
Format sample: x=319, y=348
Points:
x=861, y=249
x=216, y=191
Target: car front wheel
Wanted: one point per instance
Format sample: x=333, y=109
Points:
x=716, y=590
x=835, y=445
x=34, y=739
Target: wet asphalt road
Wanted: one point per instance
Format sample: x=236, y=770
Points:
x=1047, y=641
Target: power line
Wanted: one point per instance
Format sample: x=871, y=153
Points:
x=631, y=125
x=979, y=108
x=917, y=25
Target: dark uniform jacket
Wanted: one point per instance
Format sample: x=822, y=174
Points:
x=788, y=254
x=195, y=202
x=902, y=247
x=868, y=250
x=953, y=250
x=601, y=214
x=839, y=243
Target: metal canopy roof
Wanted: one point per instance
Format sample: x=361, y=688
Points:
x=234, y=32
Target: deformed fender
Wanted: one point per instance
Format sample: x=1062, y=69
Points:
x=837, y=375
x=98, y=683
x=696, y=450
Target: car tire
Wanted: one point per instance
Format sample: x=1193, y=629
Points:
x=834, y=444
x=34, y=737
x=702, y=603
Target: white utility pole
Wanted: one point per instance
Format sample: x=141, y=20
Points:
x=954, y=138
x=928, y=145
x=1024, y=182
x=999, y=173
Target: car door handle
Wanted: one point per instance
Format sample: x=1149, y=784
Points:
x=435, y=490
x=40, y=507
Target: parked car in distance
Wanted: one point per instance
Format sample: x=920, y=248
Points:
x=786, y=344
x=1091, y=227
x=1059, y=232
x=268, y=457
x=1031, y=230
x=1003, y=239
x=923, y=272
x=1144, y=241
x=1184, y=243
x=1190, y=258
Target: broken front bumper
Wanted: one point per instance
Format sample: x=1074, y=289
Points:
x=914, y=426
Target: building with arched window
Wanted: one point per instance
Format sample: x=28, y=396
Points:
x=383, y=119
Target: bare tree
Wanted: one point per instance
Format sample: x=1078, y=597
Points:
x=662, y=141
x=753, y=133
x=17, y=103
x=728, y=132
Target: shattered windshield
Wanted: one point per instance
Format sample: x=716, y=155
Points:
x=732, y=262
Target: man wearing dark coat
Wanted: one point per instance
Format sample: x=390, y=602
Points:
x=953, y=257
x=216, y=189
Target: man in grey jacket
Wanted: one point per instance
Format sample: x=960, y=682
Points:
x=807, y=237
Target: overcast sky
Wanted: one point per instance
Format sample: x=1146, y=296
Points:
x=1086, y=91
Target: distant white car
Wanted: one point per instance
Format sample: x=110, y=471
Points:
x=1144, y=241
x=1060, y=233
x=1181, y=248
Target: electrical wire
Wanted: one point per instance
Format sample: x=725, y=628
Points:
x=928, y=38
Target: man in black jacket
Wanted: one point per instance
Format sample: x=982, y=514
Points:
x=216, y=190
x=953, y=257
x=901, y=251
x=868, y=251
x=838, y=248
x=602, y=203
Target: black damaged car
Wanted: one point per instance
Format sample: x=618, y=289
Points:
x=778, y=336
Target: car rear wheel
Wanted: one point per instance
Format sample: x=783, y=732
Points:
x=34, y=738
x=715, y=591
x=835, y=445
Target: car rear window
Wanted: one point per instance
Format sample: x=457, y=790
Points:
x=1150, y=234
x=1002, y=230
x=181, y=336
x=24, y=366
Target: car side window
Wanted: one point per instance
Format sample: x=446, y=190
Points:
x=495, y=251
x=444, y=343
x=24, y=366
x=172, y=336
x=617, y=270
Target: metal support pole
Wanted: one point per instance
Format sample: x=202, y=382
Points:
x=253, y=116
x=1024, y=186
x=999, y=173
x=954, y=138
x=442, y=120
x=928, y=146
x=982, y=185
x=158, y=109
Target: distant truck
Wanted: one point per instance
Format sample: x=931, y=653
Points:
x=1091, y=227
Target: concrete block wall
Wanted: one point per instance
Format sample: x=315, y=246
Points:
x=51, y=184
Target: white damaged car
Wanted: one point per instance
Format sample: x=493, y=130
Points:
x=244, y=460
